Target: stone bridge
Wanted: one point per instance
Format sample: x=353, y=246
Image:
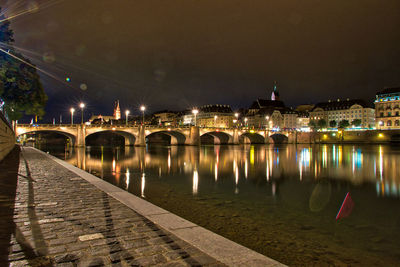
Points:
x=139, y=135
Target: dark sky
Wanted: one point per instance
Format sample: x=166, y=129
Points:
x=171, y=54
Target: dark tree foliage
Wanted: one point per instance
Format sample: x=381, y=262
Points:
x=344, y=124
x=322, y=123
x=20, y=85
x=332, y=123
x=356, y=122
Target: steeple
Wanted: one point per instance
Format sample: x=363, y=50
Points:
x=275, y=93
x=117, y=111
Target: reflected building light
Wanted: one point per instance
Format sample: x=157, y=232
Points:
x=394, y=189
x=267, y=170
x=127, y=178
x=169, y=160
x=216, y=171
x=381, y=162
x=273, y=189
x=340, y=148
x=159, y=171
x=143, y=185
x=324, y=156
x=113, y=166
x=301, y=170
x=195, y=182
x=378, y=188
x=315, y=169
x=234, y=165
x=251, y=156
x=334, y=154
x=237, y=176
x=387, y=187
x=246, y=170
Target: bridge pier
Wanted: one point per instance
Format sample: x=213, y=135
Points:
x=235, y=137
x=141, y=137
x=194, y=136
x=80, y=140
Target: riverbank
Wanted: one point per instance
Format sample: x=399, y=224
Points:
x=47, y=221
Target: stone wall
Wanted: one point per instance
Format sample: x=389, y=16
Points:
x=7, y=137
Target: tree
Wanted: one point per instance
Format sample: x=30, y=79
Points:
x=332, y=123
x=321, y=123
x=20, y=85
x=312, y=124
x=356, y=122
x=344, y=124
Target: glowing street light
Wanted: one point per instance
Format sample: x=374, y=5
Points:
x=126, y=115
x=195, y=111
x=82, y=106
x=245, y=121
x=142, y=108
x=267, y=118
x=215, y=120
x=72, y=110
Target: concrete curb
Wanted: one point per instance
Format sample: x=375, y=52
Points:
x=216, y=246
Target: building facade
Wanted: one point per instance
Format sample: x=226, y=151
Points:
x=387, y=109
x=219, y=116
x=355, y=111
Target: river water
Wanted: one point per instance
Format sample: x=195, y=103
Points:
x=281, y=201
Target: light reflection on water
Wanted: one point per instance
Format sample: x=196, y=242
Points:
x=280, y=201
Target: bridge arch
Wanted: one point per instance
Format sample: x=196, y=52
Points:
x=169, y=137
x=253, y=138
x=279, y=138
x=220, y=138
x=71, y=137
x=129, y=138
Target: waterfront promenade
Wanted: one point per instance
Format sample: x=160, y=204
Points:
x=53, y=214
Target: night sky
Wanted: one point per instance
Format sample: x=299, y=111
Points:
x=170, y=54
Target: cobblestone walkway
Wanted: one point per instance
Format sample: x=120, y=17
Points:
x=51, y=217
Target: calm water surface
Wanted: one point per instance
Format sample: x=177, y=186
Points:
x=278, y=200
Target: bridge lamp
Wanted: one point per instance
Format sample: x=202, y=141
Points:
x=267, y=118
x=72, y=110
x=142, y=108
x=245, y=121
x=215, y=120
x=195, y=111
x=127, y=114
x=82, y=106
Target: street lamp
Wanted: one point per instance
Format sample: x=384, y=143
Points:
x=142, y=108
x=82, y=106
x=245, y=121
x=215, y=120
x=126, y=115
x=267, y=118
x=195, y=111
x=72, y=110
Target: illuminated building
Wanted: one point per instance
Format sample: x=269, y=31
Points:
x=117, y=111
x=166, y=117
x=387, y=109
x=220, y=116
x=350, y=110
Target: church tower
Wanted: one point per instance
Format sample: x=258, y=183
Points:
x=275, y=93
x=117, y=111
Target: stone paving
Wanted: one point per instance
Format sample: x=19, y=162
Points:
x=51, y=217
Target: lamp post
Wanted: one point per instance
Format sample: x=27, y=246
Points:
x=245, y=122
x=237, y=119
x=126, y=115
x=82, y=106
x=142, y=108
x=195, y=111
x=215, y=120
x=72, y=110
x=267, y=118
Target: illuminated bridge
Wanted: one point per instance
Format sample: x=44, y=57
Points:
x=137, y=135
